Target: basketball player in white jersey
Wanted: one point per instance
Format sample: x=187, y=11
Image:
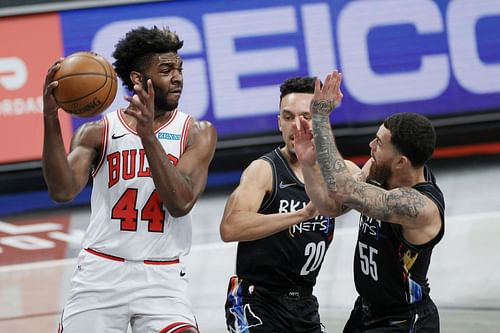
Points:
x=149, y=164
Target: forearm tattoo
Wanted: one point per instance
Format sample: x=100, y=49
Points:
x=322, y=106
x=330, y=161
x=380, y=204
x=406, y=202
x=368, y=199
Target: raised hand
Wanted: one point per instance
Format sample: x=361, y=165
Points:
x=50, y=106
x=303, y=142
x=327, y=98
x=142, y=108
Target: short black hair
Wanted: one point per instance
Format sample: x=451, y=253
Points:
x=299, y=84
x=413, y=136
x=134, y=51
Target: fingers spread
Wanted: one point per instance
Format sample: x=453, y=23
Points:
x=304, y=124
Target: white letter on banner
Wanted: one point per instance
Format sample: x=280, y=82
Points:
x=318, y=41
x=194, y=99
x=226, y=64
x=13, y=73
x=354, y=24
x=470, y=71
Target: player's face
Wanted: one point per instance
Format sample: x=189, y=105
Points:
x=384, y=156
x=292, y=107
x=167, y=80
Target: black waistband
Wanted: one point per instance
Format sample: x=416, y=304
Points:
x=292, y=291
x=379, y=310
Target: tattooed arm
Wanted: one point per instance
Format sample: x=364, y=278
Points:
x=313, y=180
x=402, y=205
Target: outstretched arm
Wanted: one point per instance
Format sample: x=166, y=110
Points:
x=241, y=220
x=404, y=205
x=315, y=184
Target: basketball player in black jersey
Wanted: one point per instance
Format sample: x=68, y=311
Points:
x=282, y=240
x=402, y=212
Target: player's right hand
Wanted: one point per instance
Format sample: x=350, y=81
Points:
x=311, y=210
x=329, y=96
x=50, y=106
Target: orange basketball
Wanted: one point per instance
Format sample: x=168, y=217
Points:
x=87, y=84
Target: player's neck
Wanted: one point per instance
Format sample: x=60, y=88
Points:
x=160, y=119
x=406, y=178
x=293, y=162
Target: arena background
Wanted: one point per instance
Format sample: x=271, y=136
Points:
x=439, y=58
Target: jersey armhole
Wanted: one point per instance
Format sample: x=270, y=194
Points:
x=430, y=244
x=104, y=146
x=268, y=198
x=184, y=135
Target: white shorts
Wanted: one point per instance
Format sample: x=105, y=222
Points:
x=108, y=295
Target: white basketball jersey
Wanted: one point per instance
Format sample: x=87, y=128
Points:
x=128, y=219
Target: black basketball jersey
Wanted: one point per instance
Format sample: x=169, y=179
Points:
x=292, y=257
x=389, y=271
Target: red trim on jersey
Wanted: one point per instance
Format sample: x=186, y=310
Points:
x=104, y=145
x=104, y=255
x=147, y=262
x=184, y=134
x=177, y=328
x=124, y=122
x=160, y=262
x=168, y=121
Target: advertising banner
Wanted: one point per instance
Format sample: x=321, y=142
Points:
x=439, y=58
x=30, y=44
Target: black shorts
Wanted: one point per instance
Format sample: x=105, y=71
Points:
x=421, y=318
x=255, y=309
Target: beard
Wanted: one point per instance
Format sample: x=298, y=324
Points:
x=379, y=174
x=161, y=102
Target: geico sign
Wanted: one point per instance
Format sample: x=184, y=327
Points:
x=216, y=64
x=13, y=73
x=358, y=18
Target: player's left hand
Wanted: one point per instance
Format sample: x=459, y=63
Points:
x=303, y=142
x=329, y=96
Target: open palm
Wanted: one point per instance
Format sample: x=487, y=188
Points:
x=329, y=96
x=303, y=142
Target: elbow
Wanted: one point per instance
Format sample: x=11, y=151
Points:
x=180, y=212
x=332, y=208
x=225, y=233
x=179, y=208
x=338, y=198
x=343, y=190
x=61, y=197
x=326, y=211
